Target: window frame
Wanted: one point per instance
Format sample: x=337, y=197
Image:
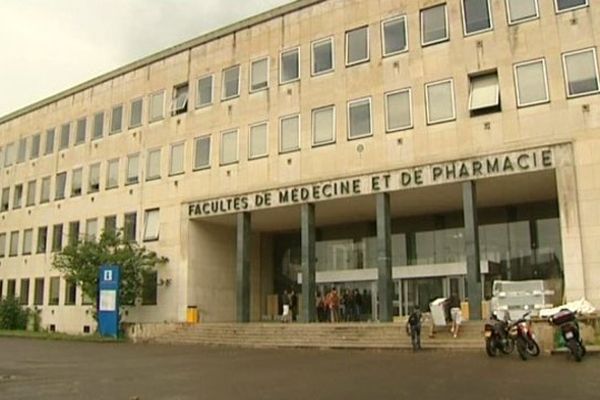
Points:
x=78, y=124
x=145, y=237
x=27, y=248
x=107, y=183
x=485, y=107
x=45, y=179
x=35, y=146
x=464, y=20
x=171, y=147
x=333, y=126
x=281, y=54
x=90, y=189
x=237, y=147
x=208, y=164
x=347, y=44
x=444, y=39
x=158, y=150
x=266, y=153
x=298, y=133
x=516, y=81
x=18, y=194
x=212, y=91
x=558, y=11
x=29, y=201
x=239, y=82
x=566, y=74
x=185, y=106
x=453, y=96
x=15, y=241
x=348, y=128
x=132, y=125
x=78, y=170
x=516, y=22
x=99, y=116
x=56, y=186
x=48, y=151
x=268, y=77
x=410, y=107
x=402, y=17
x=137, y=176
x=317, y=42
x=151, y=98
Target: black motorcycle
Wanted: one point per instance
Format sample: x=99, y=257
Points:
x=520, y=332
x=566, y=321
x=497, y=339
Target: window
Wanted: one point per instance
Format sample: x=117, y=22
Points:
x=110, y=224
x=130, y=227
x=257, y=146
x=10, y=156
x=566, y=5
x=359, y=118
x=153, y=165
x=70, y=292
x=38, y=294
x=24, y=292
x=86, y=299
x=434, y=25
x=17, y=196
x=45, y=190
x=65, y=132
x=289, y=134
x=61, y=181
x=322, y=56
x=394, y=36
x=91, y=229
x=440, y=101
x=202, y=152
x=259, y=74
x=2, y=245
x=357, y=46
x=484, y=92
x=135, y=116
x=42, y=239
x=94, y=178
x=5, y=199
x=133, y=169
x=157, y=104
x=35, y=146
x=116, y=120
x=290, y=66
x=31, y=185
x=179, y=103
x=54, y=291
x=205, y=91
x=476, y=16
x=176, y=162
x=581, y=72
x=57, y=232
x=27, y=241
x=22, y=153
x=229, y=147
x=50, y=135
x=531, y=82
x=398, y=108
x=14, y=244
x=81, y=131
x=98, y=130
x=112, y=174
x=231, y=82
x=11, y=288
x=323, y=125
x=521, y=10
x=76, y=182
x=149, y=288
x=151, y=224
x=73, y=237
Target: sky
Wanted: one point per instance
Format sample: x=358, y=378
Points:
x=47, y=46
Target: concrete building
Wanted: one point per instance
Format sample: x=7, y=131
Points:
x=408, y=149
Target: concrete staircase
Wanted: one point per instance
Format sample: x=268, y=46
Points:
x=323, y=335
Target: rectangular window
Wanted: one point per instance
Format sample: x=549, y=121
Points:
x=566, y=5
x=91, y=229
x=290, y=66
x=17, y=196
x=531, y=82
x=42, y=239
x=11, y=289
x=398, y=108
x=231, y=82
x=112, y=174
x=359, y=118
x=22, y=152
x=10, y=155
x=257, y=146
x=35, y=146
x=259, y=74
x=322, y=56
x=5, y=199
x=65, y=133
x=73, y=233
x=2, y=245
x=76, y=182
x=205, y=91
x=135, y=116
x=484, y=92
x=151, y=224
x=394, y=36
x=27, y=241
x=130, y=227
x=153, y=165
x=98, y=130
x=157, y=106
x=323, y=125
x=61, y=181
x=149, y=288
x=202, y=152
x=133, y=169
x=357, y=46
x=476, y=16
x=110, y=224
x=38, y=294
x=521, y=10
x=229, y=147
x=14, y=244
x=50, y=137
x=57, y=237
x=70, y=292
x=289, y=134
x=116, y=119
x=94, y=178
x=45, y=190
x=31, y=186
x=81, y=131
x=54, y=291
x=24, y=292
x=440, y=101
x=177, y=158
x=434, y=25
x=581, y=72
x=179, y=104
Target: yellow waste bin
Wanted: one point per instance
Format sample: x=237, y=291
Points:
x=192, y=315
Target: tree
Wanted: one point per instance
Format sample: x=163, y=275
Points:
x=80, y=263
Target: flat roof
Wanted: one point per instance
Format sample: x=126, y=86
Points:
x=171, y=51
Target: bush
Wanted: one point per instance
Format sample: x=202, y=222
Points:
x=12, y=315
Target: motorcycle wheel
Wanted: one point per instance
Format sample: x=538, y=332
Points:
x=533, y=349
x=490, y=348
x=522, y=348
x=508, y=346
x=575, y=349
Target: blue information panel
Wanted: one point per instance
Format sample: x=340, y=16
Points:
x=108, y=300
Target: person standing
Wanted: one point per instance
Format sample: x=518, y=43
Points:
x=455, y=314
x=333, y=303
x=285, y=300
x=414, y=326
x=294, y=304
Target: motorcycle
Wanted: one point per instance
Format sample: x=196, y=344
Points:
x=566, y=321
x=496, y=337
x=520, y=332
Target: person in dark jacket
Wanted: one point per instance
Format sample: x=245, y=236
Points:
x=414, y=327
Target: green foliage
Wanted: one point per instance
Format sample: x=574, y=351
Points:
x=81, y=261
x=12, y=315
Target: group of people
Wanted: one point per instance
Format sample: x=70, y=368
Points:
x=347, y=306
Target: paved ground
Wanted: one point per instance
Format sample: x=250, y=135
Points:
x=32, y=369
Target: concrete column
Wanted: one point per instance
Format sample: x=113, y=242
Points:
x=472, y=248
x=309, y=281
x=243, y=268
x=385, y=286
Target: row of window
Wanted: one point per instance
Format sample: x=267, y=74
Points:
x=16, y=246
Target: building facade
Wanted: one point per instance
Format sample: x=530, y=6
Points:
x=408, y=149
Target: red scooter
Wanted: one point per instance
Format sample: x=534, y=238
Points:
x=520, y=332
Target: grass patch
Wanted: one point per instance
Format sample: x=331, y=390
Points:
x=44, y=335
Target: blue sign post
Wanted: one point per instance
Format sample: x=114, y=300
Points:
x=108, y=300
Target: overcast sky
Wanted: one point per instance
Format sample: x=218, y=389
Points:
x=47, y=46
